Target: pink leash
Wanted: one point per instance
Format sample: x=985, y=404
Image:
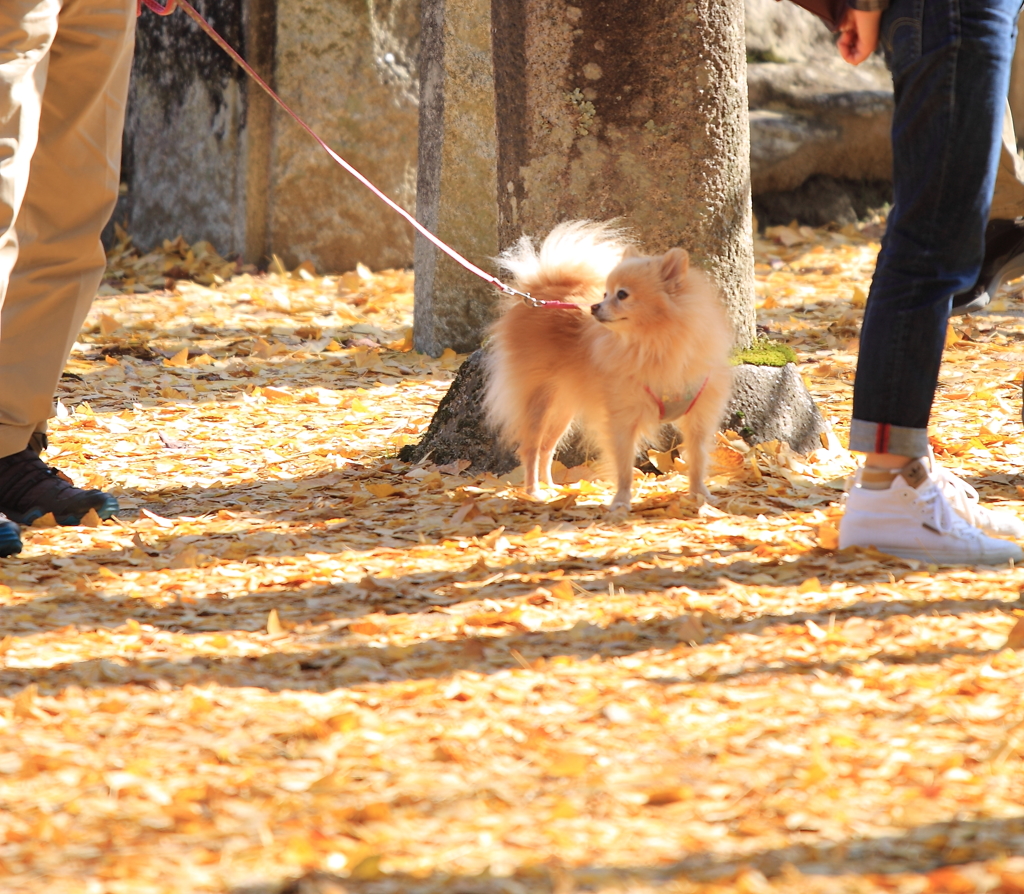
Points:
x=169, y=7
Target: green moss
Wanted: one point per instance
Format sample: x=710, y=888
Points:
x=764, y=56
x=585, y=108
x=764, y=352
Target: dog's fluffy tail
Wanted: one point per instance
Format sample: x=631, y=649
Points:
x=575, y=252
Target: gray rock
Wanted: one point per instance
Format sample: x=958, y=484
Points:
x=457, y=189
x=819, y=128
x=822, y=200
x=777, y=136
x=768, y=403
x=771, y=403
x=783, y=32
x=818, y=118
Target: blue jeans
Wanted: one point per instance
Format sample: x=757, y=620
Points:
x=950, y=62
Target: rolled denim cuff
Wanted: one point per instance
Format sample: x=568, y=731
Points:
x=879, y=437
x=869, y=5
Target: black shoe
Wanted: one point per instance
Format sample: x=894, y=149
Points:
x=10, y=537
x=29, y=489
x=1004, y=260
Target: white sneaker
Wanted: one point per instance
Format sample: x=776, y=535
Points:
x=965, y=502
x=918, y=523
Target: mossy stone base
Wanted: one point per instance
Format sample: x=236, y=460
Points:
x=768, y=403
x=772, y=403
x=765, y=352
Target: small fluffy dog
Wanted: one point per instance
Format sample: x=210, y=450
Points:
x=625, y=343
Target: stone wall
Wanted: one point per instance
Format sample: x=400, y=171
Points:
x=208, y=156
x=186, y=149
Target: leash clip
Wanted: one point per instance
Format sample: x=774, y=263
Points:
x=526, y=296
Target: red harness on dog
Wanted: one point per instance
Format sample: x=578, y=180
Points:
x=674, y=407
x=668, y=407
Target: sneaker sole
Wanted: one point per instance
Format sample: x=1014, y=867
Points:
x=949, y=558
x=973, y=306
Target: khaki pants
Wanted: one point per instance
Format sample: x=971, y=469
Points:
x=64, y=69
x=1008, y=200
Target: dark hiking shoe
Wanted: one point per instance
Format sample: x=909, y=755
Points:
x=1004, y=260
x=29, y=489
x=10, y=537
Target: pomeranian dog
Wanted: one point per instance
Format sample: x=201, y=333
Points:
x=623, y=343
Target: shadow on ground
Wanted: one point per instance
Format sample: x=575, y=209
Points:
x=917, y=850
x=315, y=663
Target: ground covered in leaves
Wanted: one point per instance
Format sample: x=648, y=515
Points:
x=296, y=664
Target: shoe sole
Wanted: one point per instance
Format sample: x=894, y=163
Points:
x=923, y=555
x=105, y=510
x=972, y=306
x=1012, y=269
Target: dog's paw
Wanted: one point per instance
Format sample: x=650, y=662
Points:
x=618, y=509
x=701, y=492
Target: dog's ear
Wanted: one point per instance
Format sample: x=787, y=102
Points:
x=630, y=251
x=674, y=265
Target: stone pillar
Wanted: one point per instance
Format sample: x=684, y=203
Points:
x=605, y=108
x=349, y=68
x=457, y=174
x=636, y=111
x=208, y=156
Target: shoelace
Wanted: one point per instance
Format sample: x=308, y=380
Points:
x=966, y=501
x=944, y=518
x=957, y=491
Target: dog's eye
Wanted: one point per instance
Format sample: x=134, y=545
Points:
x=622, y=294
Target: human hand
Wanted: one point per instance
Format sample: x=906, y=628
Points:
x=858, y=35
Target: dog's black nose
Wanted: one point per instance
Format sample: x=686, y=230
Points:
x=593, y=309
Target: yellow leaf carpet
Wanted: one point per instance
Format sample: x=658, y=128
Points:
x=296, y=664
